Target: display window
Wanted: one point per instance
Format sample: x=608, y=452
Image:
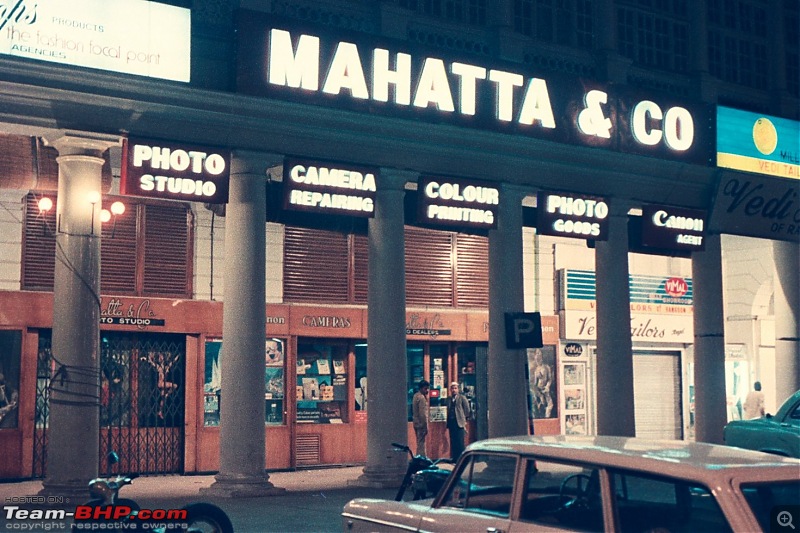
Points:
x=360, y=382
x=415, y=359
x=321, y=384
x=543, y=384
x=274, y=372
x=467, y=355
x=10, y=351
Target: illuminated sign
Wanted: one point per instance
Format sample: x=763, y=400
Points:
x=278, y=59
x=128, y=36
x=758, y=143
x=570, y=215
x=177, y=172
x=456, y=202
x=757, y=206
x=327, y=187
x=673, y=228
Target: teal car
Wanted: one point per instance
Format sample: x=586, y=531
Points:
x=778, y=434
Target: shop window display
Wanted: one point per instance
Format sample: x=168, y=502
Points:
x=466, y=374
x=415, y=359
x=10, y=350
x=321, y=386
x=274, y=371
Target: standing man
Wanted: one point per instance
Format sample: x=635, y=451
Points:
x=458, y=412
x=419, y=410
x=754, y=403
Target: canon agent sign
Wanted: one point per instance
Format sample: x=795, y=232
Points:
x=673, y=227
x=570, y=215
x=176, y=172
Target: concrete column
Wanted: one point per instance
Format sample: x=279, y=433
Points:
x=615, y=404
x=387, y=418
x=73, y=434
x=242, y=450
x=709, y=343
x=787, y=315
x=507, y=386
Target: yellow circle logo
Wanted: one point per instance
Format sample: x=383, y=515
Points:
x=765, y=136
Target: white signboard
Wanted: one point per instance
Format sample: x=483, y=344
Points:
x=128, y=36
x=645, y=327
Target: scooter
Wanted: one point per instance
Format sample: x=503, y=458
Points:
x=106, y=506
x=425, y=476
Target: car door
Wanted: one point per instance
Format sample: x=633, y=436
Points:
x=479, y=497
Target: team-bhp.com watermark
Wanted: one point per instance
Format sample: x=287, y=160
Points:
x=39, y=513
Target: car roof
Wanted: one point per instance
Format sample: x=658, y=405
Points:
x=684, y=459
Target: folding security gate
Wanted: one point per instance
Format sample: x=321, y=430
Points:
x=141, y=397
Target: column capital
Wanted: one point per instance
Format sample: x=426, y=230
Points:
x=513, y=192
x=395, y=179
x=82, y=143
x=248, y=162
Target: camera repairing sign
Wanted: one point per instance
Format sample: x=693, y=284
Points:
x=175, y=172
x=327, y=187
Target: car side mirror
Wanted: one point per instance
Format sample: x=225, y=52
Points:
x=112, y=458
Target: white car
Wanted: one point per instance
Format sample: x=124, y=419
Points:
x=573, y=483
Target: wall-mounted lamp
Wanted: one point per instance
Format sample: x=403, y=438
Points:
x=116, y=209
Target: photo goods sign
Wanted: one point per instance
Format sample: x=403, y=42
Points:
x=127, y=36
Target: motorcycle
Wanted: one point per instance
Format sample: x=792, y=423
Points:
x=106, y=506
x=425, y=476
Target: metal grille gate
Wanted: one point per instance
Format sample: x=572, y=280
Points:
x=141, y=402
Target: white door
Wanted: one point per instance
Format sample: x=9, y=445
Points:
x=657, y=394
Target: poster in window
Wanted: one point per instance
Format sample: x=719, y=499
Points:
x=575, y=424
x=274, y=352
x=542, y=378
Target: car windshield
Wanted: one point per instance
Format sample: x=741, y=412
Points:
x=768, y=500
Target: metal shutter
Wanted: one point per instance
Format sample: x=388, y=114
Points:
x=315, y=266
x=472, y=271
x=429, y=268
x=657, y=395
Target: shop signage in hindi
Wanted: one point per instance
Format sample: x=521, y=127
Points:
x=170, y=171
x=431, y=326
x=673, y=228
x=129, y=36
x=757, y=143
x=328, y=187
x=757, y=206
x=457, y=202
x=570, y=215
x=278, y=58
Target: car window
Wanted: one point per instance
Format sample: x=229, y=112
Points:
x=766, y=498
x=562, y=496
x=484, y=485
x=794, y=416
x=655, y=503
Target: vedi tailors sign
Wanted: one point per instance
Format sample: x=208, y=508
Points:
x=158, y=169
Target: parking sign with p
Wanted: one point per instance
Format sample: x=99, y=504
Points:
x=523, y=330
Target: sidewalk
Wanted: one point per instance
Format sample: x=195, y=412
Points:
x=188, y=486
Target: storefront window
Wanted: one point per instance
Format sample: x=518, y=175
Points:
x=542, y=379
x=321, y=387
x=466, y=374
x=415, y=359
x=274, y=371
x=438, y=376
x=360, y=392
x=10, y=353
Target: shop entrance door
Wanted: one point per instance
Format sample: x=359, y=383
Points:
x=141, y=397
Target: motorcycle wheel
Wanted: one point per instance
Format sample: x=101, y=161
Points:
x=207, y=518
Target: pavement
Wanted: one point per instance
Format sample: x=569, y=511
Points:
x=312, y=500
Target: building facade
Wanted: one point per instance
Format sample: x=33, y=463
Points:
x=502, y=108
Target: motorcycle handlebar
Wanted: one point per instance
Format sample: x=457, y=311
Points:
x=403, y=447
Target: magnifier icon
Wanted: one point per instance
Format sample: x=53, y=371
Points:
x=785, y=519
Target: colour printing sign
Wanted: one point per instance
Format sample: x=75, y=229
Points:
x=661, y=307
x=757, y=206
x=176, y=172
x=128, y=36
x=758, y=143
x=280, y=59
x=327, y=187
x=673, y=227
x=457, y=202
x=571, y=215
